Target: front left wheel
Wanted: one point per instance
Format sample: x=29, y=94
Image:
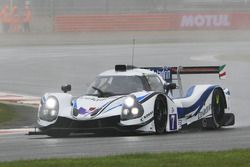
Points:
x=160, y=115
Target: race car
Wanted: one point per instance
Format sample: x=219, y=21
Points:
x=137, y=99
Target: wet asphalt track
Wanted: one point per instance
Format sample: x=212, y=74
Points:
x=35, y=70
x=16, y=147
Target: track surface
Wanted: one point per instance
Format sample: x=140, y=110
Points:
x=35, y=70
x=16, y=147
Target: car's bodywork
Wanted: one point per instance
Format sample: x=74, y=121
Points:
x=137, y=99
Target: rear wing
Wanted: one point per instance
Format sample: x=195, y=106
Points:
x=167, y=72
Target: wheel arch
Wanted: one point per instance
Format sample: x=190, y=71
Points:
x=162, y=96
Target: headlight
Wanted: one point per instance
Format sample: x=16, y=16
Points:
x=49, y=109
x=135, y=111
x=129, y=101
x=51, y=103
x=125, y=111
x=131, y=109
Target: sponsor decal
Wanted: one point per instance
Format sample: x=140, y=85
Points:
x=91, y=109
x=146, y=116
x=164, y=72
x=83, y=111
x=94, y=99
x=204, y=111
x=201, y=21
x=179, y=122
x=197, y=106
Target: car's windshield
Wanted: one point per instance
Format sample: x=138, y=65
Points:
x=115, y=85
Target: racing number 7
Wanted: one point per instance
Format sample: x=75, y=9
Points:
x=173, y=121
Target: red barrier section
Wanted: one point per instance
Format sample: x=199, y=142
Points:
x=152, y=22
x=118, y=22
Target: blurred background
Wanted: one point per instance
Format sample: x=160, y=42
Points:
x=47, y=14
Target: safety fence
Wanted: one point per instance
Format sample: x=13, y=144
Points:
x=152, y=22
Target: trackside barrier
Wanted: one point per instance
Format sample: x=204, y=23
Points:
x=119, y=22
x=152, y=22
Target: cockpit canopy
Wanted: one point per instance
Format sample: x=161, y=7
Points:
x=105, y=86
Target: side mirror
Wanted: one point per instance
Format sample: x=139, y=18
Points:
x=66, y=88
x=170, y=86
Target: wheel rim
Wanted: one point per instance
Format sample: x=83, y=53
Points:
x=218, y=108
x=160, y=116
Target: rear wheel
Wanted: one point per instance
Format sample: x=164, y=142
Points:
x=160, y=115
x=218, y=110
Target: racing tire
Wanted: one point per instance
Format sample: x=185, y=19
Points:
x=58, y=133
x=218, y=111
x=160, y=115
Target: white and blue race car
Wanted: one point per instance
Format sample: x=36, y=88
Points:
x=132, y=99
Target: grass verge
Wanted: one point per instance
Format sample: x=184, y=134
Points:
x=239, y=158
x=6, y=113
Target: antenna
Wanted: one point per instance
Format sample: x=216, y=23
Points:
x=133, y=52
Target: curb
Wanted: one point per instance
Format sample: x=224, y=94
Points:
x=15, y=131
x=19, y=99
